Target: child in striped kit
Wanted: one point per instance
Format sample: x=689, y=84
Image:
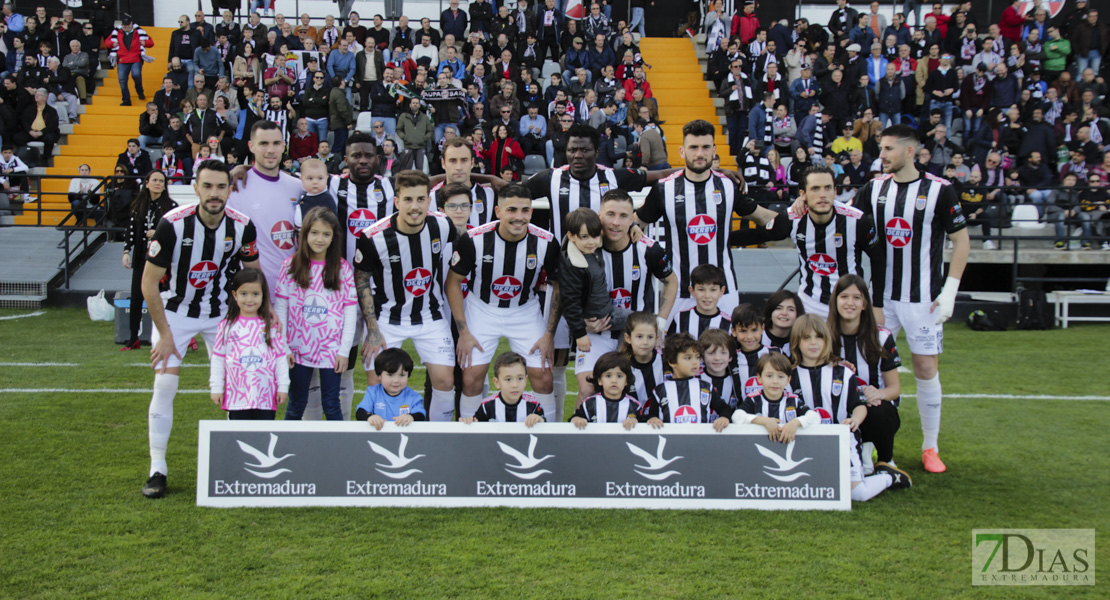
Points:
x=249, y=376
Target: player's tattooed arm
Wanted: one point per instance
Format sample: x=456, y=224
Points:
x=366, y=304
x=553, y=319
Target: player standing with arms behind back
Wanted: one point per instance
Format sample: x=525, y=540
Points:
x=193, y=244
x=915, y=210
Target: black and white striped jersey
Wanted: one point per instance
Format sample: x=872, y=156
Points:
x=870, y=373
x=599, y=409
x=724, y=392
x=832, y=388
x=774, y=342
x=196, y=258
x=407, y=269
x=360, y=205
x=629, y=275
x=785, y=409
x=280, y=117
x=483, y=200
x=504, y=274
x=680, y=401
x=828, y=252
x=697, y=218
x=496, y=410
x=567, y=193
x=744, y=371
x=648, y=377
x=914, y=218
x=694, y=323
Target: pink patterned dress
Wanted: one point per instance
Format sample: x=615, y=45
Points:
x=316, y=330
x=248, y=371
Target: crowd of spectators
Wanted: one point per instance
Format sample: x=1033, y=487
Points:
x=509, y=80
x=1005, y=110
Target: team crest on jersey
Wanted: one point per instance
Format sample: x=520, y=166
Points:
x=379, y=195
x=417, y=281
x=898, y=232
x=701, y=229
x=685, y=414
x=359, y=219
x=717, y=196
x=202, y=273
x=531, y=262
x=435, y=246
x=635, y=273
x=837, y=387
x=838, y=240
x=789, y=414
x=228, y=244
x=455, y=258
x=480, y=206
x=251, y=360
x=822, y=264
x=506, y=287
x=314, y=310
x=705, y=397
x=920, y=204
x=282, y=234
x=621, y=298
x=155, y=248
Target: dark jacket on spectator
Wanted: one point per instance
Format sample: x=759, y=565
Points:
x=1005, y=92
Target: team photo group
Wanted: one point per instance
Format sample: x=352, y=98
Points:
x=455, y=265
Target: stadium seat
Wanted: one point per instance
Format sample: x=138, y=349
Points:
x=620, y=147
x=1025, y=216
x=549, y=67
x=155, y=155
x=31, y=153
x=534, y=163
x=63, y=112
x=365, y=122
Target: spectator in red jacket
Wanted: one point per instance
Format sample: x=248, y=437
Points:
x=942, y=19
x=303, y=142
x=127, y=51
x=638, y=82
x=746, y=23
x=1011, y=23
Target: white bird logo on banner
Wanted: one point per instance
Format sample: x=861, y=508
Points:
x=784, y=464
x=524, y=463
x=396, y=461
x=265, y=461
x=654, y=463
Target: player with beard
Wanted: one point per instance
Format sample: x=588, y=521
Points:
x=193, y=246
x=457, y=158
x=696, y=205
x=831, y=239
x=915, y=211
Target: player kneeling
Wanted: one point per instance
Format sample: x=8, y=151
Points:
x=613, y=376
x=511, y=404
x=392, y=398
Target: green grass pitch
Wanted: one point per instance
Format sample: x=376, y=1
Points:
x=74, y=525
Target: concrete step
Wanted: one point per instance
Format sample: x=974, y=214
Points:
x=21, y=301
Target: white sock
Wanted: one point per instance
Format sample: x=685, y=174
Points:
x=871, y=486
x=468, y=405
x=865, y=450
x=928, y=406
x=485, y=389
x=313, y=409
x=560, y=385
x=442, y=405
x=551, y=412
x=346, y=393
x=160, y=420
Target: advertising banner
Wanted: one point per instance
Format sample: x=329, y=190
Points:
x=300, y=463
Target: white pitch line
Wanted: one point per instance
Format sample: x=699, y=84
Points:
x=34, y=364
x=34, y=314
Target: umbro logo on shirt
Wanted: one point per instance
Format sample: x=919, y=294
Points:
x=187, y=242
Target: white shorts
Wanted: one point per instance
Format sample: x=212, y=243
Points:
x=813, y=307
x=925, y=337
x=433, y=340
x=855, y=462
x=727, y=304
x=599, y=344
x=184, y=329
x=521, y=325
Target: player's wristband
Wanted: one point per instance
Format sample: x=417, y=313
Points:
x=661, y=323
x=948, y=292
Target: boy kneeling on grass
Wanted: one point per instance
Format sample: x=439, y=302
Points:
x=511, y=404
x=392, y=398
